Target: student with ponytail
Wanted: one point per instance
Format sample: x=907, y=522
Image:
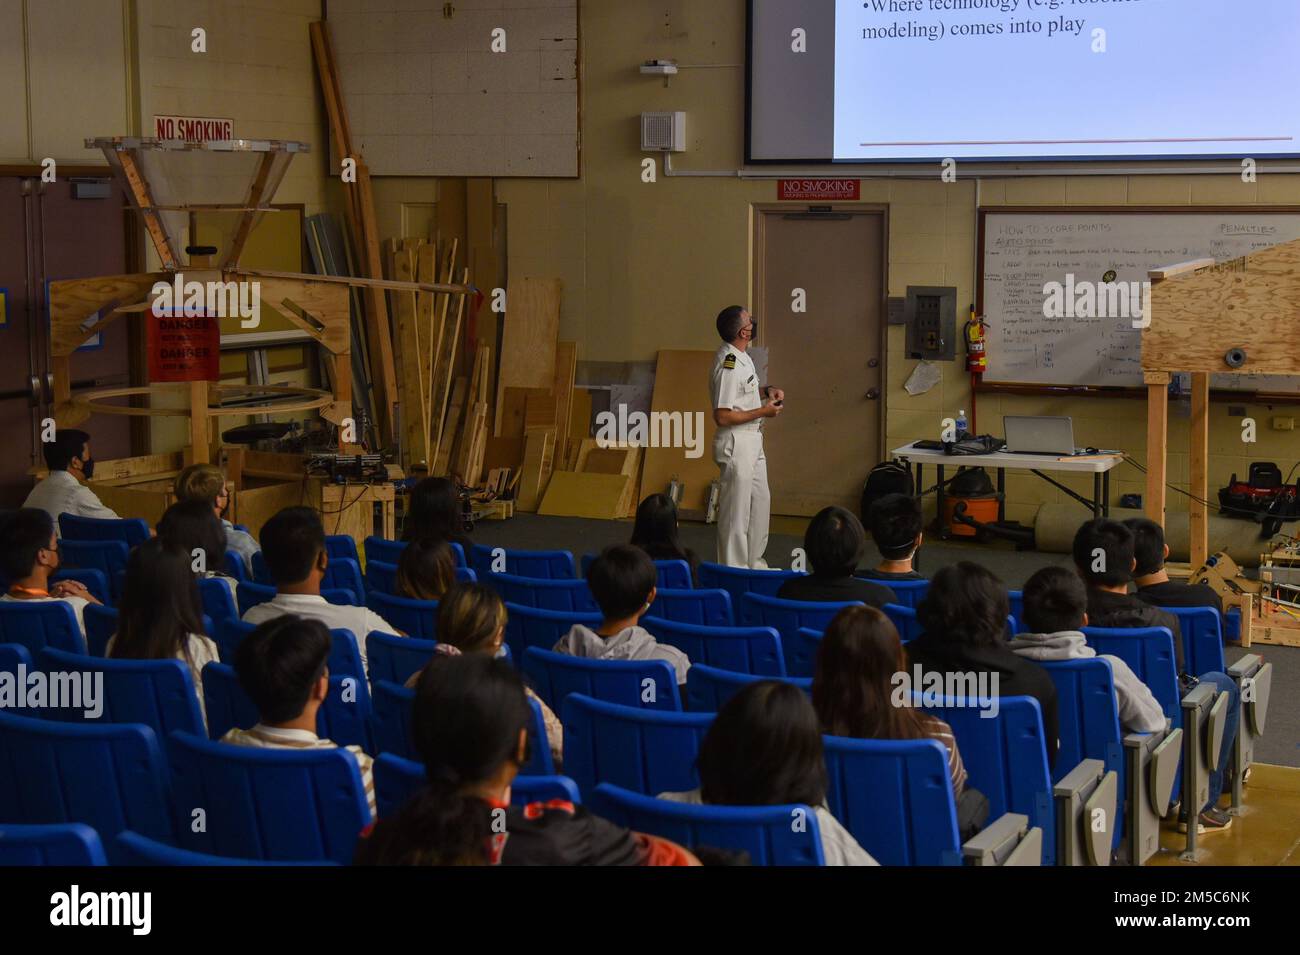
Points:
x=470, y=728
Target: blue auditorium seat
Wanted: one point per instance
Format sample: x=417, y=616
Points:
x=705, y=607
x=64, y=844
x=742, y=649
x=545, y=564
x=787, y=616
x=708, y=688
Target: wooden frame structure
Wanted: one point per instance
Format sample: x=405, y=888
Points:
x=1207, y=317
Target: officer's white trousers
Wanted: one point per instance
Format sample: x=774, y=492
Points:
x=744, y=502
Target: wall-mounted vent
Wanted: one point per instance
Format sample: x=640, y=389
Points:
x=663, y=132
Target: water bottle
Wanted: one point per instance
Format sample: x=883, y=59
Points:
x=961, y=422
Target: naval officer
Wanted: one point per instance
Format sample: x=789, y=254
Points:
x=739, y=405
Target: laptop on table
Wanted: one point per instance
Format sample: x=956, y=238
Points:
x=1042, y=434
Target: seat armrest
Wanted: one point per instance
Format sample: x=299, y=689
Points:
x=1089, y=770
x=1244, y=667
x=1008, y=840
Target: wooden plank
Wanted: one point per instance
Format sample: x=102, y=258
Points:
x=199, y=434
x=362, y=282
x=580, y=494
x=1248, y=303
x=606, y=460
x=1157, y=447
x=415, y=427
x=541, y=410
x=528, y=341
x=478, y=443
x=682, y=384
x=566, y=365
x=452, y=427
x=443, y=376
x=72, y=301
x=254, y=198
x=377, y=323
x=1182, y=268
x=579, y=425
x=504, y=452
x=515, y=410
x=153, y=222
x=539, y=448
x=441, y=355
x=1199, y=469
x=481, y=234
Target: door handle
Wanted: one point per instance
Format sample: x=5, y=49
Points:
x=873, y=393
x=873, y=362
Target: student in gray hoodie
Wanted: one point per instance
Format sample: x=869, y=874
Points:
x=622, y=581
x=1056, y=607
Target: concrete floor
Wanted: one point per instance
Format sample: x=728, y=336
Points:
x=1280, y=745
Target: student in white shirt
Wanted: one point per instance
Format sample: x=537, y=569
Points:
x=192, y=526
x=282, y=667
x=160, y=616
x=293, y=543
x=764, y=748
x=29, y=556
x=62, y=492
x=206, y=483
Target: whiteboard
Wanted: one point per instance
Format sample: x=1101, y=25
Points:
x=1023, y=251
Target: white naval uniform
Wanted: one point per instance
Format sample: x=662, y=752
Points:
x=744, y=501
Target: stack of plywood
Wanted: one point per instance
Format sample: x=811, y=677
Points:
x=605, y=483
x=428, y=327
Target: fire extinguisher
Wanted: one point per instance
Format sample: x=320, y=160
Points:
x=976, y=357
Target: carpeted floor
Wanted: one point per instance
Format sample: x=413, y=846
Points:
x=1281, y=742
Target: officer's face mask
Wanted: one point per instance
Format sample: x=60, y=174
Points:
x=753, y=329
x=88, y=468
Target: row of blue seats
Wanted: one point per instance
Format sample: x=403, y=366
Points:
x=894, y=796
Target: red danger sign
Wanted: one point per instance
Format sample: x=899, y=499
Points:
x=193, y=129
x=184, y=348
x=841, y=189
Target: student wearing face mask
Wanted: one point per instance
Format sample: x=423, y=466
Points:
x=739, y=405
x=29, y=557
x=62, y=492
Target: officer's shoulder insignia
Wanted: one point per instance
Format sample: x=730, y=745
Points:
x=729, y=361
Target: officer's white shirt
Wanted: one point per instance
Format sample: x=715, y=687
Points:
x=61, y=493
x=734, y=385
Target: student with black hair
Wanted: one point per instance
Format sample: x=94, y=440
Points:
x=854, y=684
x=160, y=615
x=1153, y=584
x=1105, y=558
x=434, y=512
x=834, y=543
x=194, y=527
x=29, y=557
x=470, y=727
x=293, y=544
x=70, y=464
x=964, y=622
x=896, y=523
x=655, y=531
x=1056, y=611
x=426, y=570
x=622, y=581
x=764, y=748
x=282, y=666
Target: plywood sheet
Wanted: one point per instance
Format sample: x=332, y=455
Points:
x=535, y=471
x=682, y=384
x=580, y=494
x=504, y=452
x=528, y=340
x=514, y=410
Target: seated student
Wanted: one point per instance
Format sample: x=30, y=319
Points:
x=964, y=624
x=62, y=492
x=1103, y=555
x=895, y=521
x=293, y=543
x=470, y=727
x=472, y=619
x=160, y=615
x=282, y=667
x=834, y=543
x=206, y=483
x=1056, y=608
x=192, y=526
x=434, y=512
x=764, y=748
x=854, y=687
x=622, y=581
x=426, y=569
x=1153, y=583
x=29, y=556
x=655, y=531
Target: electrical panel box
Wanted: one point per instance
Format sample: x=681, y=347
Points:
x=930, y=314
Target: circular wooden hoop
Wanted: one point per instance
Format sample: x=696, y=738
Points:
x=92, y=400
